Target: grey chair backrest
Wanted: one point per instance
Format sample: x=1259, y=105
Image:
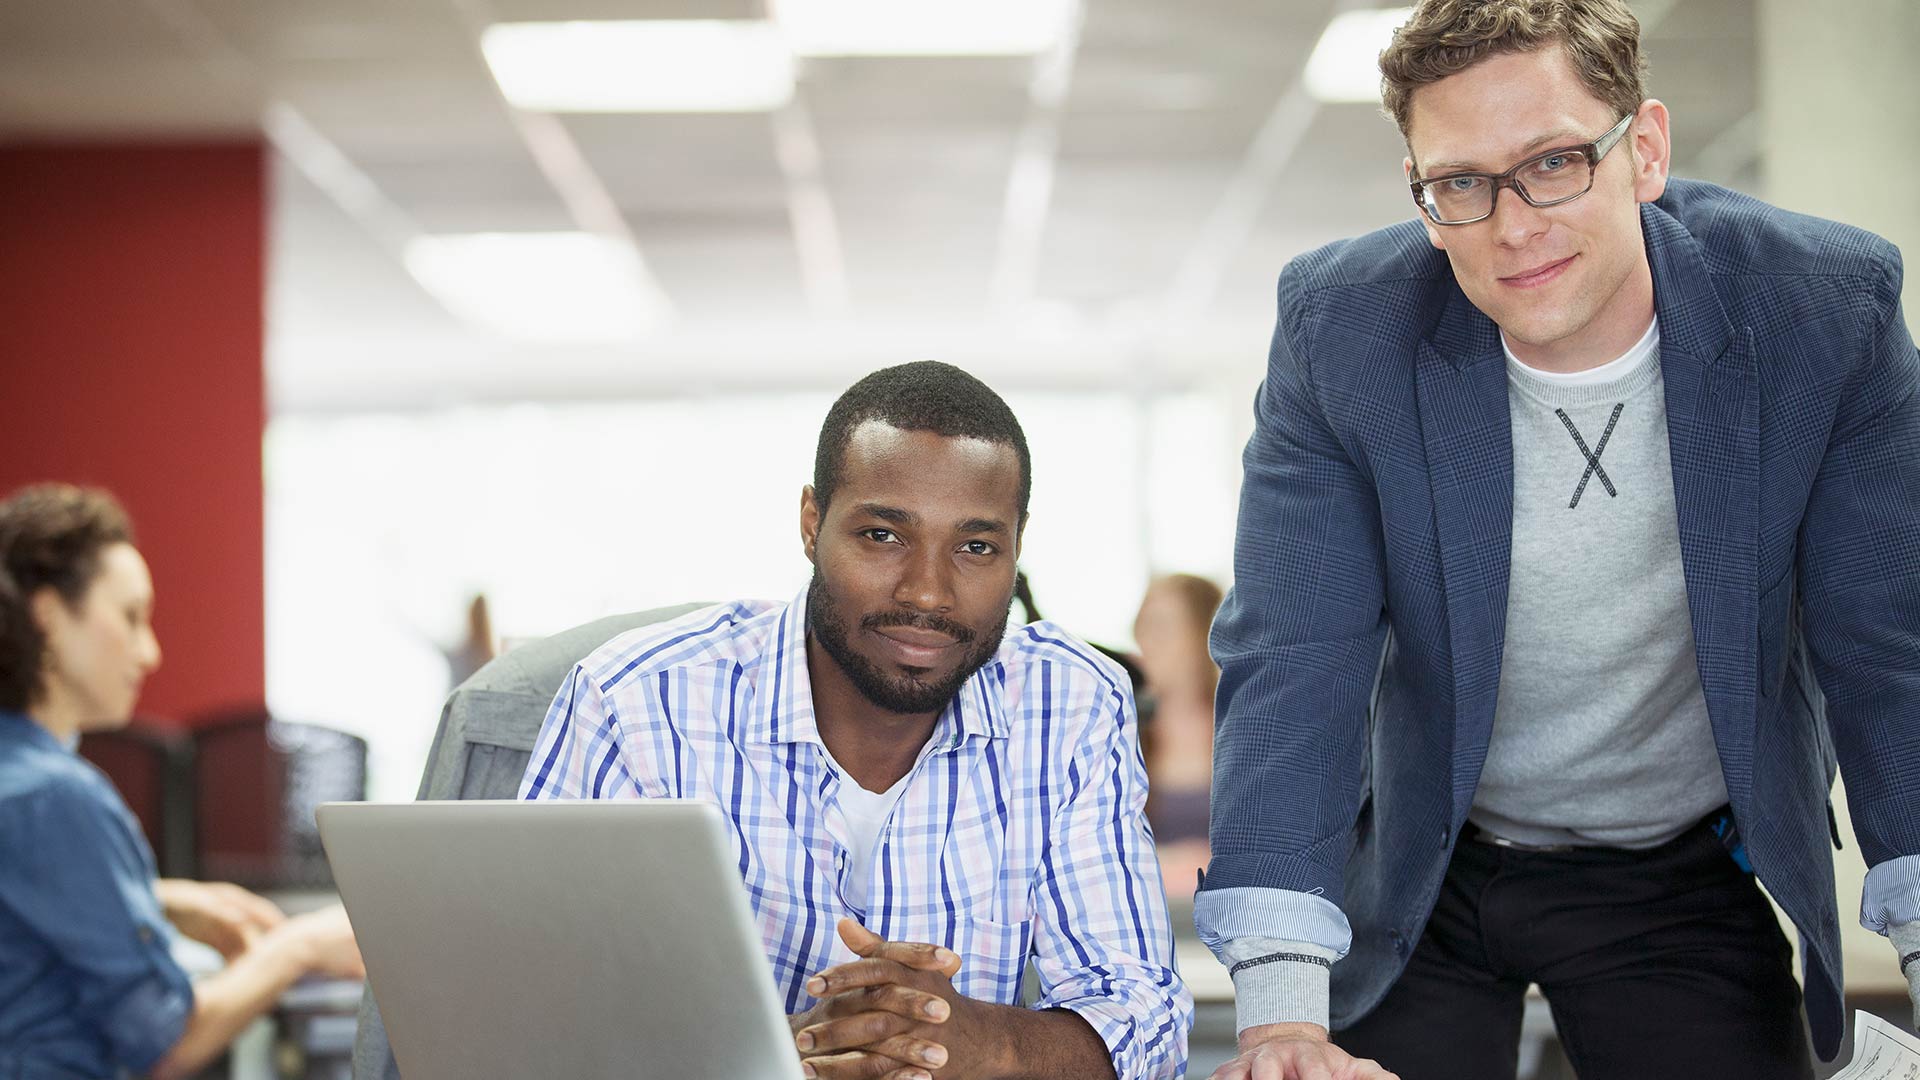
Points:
x=487, y=731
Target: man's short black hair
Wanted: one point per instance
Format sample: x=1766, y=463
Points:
x=922, y=396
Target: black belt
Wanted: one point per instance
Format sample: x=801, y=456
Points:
x=1720, y=823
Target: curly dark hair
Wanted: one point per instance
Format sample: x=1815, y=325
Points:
x=51, y=536
x=925, y=395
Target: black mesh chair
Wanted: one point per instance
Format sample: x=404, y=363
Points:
x=152, y=766
x=257, y=781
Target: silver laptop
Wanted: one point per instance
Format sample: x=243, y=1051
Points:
x=558, y=939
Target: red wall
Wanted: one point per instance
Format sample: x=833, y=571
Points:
x=131, y=282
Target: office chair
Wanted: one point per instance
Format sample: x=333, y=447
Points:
x=480, y=751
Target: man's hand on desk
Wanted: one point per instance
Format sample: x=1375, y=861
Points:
x=1295, y=1052
x=215, y=913
x=893, y=1013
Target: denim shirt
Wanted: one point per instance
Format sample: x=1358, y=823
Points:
x=88, y=986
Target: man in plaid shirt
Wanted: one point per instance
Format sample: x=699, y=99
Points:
x=922, y=800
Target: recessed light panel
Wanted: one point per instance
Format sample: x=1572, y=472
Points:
x=923, y=27
x=1345, y=65
x=648, y=65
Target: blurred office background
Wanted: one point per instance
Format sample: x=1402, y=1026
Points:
x=367, y=309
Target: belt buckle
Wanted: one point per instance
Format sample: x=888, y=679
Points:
x=1496, y=840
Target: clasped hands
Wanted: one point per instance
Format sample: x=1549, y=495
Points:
x=891, y=1014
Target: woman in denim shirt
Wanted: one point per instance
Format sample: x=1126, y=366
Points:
x=88, y=984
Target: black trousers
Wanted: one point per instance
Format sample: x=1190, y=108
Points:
x=1659, y=963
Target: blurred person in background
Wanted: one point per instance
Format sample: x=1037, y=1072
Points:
x=1030, y=613
x=476, y=648
x=88, y=983
x=1176, y=727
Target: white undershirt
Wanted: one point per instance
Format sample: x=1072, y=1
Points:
x=863, y=814
x=1625, y=364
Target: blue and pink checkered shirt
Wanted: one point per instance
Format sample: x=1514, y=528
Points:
x=1020, y=833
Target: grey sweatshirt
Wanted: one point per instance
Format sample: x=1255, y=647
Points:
x=1600, y=735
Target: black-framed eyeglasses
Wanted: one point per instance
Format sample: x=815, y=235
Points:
x=1548, y=179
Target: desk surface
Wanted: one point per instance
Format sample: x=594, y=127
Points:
x=1870, y=969
x=1870, y=966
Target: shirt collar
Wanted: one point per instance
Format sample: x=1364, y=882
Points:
x=783, y=692
x=27, y=729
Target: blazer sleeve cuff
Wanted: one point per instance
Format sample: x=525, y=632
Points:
x=1224, y=915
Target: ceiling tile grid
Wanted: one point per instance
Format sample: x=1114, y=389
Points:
x=930, y=203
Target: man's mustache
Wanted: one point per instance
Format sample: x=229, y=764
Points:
x=939, y=624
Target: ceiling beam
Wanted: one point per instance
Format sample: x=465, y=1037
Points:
x=218, y=57
x=1232, y=221
x=816, y=229
x=328, y=168
x=288, y=131
x=586, y=197
x=1029, y=197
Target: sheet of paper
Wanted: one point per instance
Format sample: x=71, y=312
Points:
x=1881, y=1051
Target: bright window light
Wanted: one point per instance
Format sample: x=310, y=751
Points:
x=542, y=287
x=923, y=27
x=1345, y=65
x=652, y=65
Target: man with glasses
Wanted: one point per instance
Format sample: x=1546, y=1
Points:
x=1580, y=538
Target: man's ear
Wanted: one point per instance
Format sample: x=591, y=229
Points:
x=1652, y=146
x=809, y=521
x=1433, y=231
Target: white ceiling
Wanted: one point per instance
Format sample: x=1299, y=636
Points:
x=877, y=219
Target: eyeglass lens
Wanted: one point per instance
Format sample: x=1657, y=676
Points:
x=1549, y=178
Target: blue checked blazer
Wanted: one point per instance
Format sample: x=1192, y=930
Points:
x=1374, y=537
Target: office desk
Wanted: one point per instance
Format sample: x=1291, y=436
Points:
x=307, y=1036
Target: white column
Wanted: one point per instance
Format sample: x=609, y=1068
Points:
x=1840, y=116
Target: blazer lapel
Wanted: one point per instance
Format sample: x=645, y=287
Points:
x=1713, y=432
x=1467, y=428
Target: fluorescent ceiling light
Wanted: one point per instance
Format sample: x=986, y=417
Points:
x=1345, y=65
x=548, y=287
x=649, y=65
x=923, y=27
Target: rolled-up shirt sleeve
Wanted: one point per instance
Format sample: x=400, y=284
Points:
x=1103, y=942
x=79, y=877
x=1891, y=896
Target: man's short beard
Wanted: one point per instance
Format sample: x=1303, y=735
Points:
x=902, y=694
